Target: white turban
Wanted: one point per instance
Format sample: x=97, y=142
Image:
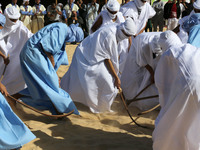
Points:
x=113, y=5
x=24, y=1
x=168, y=39
x=129, y=27
x=12, y=12
x=196, y=4
x=139, y=3
x=154, y=45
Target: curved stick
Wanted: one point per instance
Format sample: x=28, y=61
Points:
x=147, y=111
x=55, y=116
x=124, y=102
x=130, y=101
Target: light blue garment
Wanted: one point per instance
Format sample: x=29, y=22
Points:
x=2, y=19
x=78, y=32
x=194, y=36
x=43, y=90
x=193, y=20
x=13, y=132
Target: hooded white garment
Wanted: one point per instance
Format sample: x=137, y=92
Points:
x=113, y=5
x=130, y=10
x=135, y=76
x=88, y=80
x=177, y=78
x=12, y=39
x=123, y=45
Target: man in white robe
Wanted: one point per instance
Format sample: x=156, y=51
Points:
x=177, y=79
x=12, y=39
x=140, y=11
x=14, y=3
x=38, y=18
x=139, y=69
x=92, y=77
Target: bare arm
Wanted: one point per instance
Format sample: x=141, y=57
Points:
x=6, y=59
x=97, y=24
x=151, y=71
x=142, y=29
x=3, y=89
x=129, y=42
x=111, y=69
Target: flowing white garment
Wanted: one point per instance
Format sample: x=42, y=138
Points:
x=135, y=76
x=130, y=10
x=12, y=41
x=177, y=78
x=88, y=80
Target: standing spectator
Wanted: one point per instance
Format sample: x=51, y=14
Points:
x=14, y=3
x=26, y=14
x=68, y=9
x=61, y=18
x=92, y=13
x=38, y=18
x=1, y=9
x=188, y=8
x=182, y=8
x=53, y=13
x=158, y=19
x=172, y=13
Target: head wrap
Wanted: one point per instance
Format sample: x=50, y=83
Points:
x=194, y=36
x=2, y=19
x=196, y=4
x=77, y=33
x=139, y=4
x=168, y=39
x=24, y=1
x=12, y=12
x=154, y=45
x=113, y=5
x=193, y=20
x=129, y=27
x=60, y=4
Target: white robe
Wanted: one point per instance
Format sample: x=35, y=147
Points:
x=26, y=19
x=177, y=78
x=135, y=76
x=12, y=41
x=130, y=10
x=88, y=80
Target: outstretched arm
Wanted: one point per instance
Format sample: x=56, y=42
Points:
x=111, y=69
x=151, y=71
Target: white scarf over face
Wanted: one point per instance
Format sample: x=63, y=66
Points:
x=139, y=4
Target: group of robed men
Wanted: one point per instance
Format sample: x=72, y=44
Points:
x=93, y=77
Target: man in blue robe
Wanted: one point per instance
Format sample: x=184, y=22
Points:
x=40, y=58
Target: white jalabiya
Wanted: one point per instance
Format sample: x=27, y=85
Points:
x=38, y=20
x=135, y=76
x=26, y=19
x=177, y=78
x=123, y=45
x=130, y=10
x=88, y=80
x=12, y=39
x=10, y=5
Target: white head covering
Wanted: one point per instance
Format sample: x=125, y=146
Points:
x=139, y=3
x=193, y=20
x=154, y=45
x=129, y=27
x=196, y=4
x=113, y=5
x=168, y=39
x=24, y=1
x=12, y=12
x=60, y=4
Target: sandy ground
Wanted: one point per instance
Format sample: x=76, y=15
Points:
x=106, y=131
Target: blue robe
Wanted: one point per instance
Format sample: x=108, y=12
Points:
x=43, y=91
x=13, y=132
x=194, y=36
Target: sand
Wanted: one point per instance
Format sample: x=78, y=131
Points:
x=105, y=131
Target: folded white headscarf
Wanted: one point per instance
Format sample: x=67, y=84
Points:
x=196, y=4
x=139, y=4
x=113, y=5
x=129, y=27
x=168, y=39
x=12, y=12
x=154, y=45
x=24, y=1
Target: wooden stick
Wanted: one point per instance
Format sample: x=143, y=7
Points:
x=123, y=100
x=54, y=116
x=130, y=101
x=144, y=98
x=147, y=111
